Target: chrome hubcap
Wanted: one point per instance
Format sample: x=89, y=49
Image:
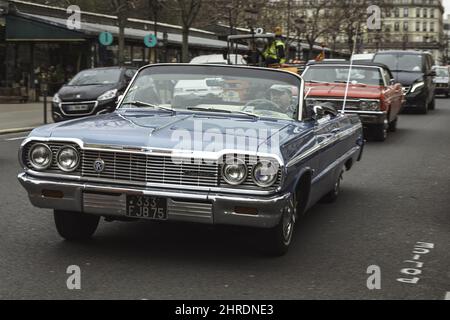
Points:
x=289, y=219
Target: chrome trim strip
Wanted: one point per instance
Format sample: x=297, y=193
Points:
x=366, y=112
x=335, y=163
x=342, y=100
x=340, y=136
x=149, y=185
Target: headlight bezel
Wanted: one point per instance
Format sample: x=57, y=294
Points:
x=370, y=105
x=32, y=162
x=108, y=95
x=77, y=162
x=227, y=165
x=274, y=179
x=417, y=85
x=56, y=99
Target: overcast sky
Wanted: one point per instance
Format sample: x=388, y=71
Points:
x=447, y=7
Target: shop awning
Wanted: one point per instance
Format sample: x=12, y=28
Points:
x=90, y=30
x=19, y=28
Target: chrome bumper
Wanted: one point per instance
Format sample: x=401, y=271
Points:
x=187, y=206
x=369, y=117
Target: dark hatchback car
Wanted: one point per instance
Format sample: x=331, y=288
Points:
x=414, y=70
x=90, y=92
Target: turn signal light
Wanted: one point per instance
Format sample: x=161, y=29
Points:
x=246, y=211
x=52, y=194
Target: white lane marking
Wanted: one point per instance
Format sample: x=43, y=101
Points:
x=447, y=296
x=14, y=139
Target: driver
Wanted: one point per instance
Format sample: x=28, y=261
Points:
x=282, y=96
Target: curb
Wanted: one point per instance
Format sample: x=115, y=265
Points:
x=16, y=130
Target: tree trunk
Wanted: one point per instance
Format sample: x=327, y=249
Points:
x=121, y=53
x=185, y=45
x=311, y=51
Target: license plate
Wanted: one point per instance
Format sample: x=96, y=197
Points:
x=78, y=107
x=144, y=207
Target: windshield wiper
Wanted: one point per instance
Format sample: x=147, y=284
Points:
x=409, y=71
x=351, y=82
x=145, y=104
x=315, y=81
x=223, y=111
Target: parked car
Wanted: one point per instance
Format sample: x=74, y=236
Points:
x=90, y=92
x=259, y=162
x=442, y=80
x=219, y=59
x=414, y=70
x=363, y=57
x=372, y=93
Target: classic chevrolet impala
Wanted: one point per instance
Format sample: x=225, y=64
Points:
x=253, y=155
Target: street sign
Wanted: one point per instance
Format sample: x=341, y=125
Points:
x=150, y=40
x=106, y=38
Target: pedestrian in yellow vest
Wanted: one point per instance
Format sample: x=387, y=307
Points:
x=275, y=50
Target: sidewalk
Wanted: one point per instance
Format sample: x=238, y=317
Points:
x=23, y=115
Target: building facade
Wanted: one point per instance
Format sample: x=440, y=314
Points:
x=405, y=25
x=447, y=40
x=36, y=44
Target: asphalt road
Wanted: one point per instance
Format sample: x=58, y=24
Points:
x=396, y=197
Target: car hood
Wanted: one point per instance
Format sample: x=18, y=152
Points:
x=160, y=130
x=338, y=91
x=84, y=93
x=407, y=78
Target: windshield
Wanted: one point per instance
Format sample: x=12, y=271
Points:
x=338, y=74
x=442, y=72
x=401, y=62
x=96, y=77
x=253, y=92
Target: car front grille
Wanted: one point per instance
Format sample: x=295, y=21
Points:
x=129, y=167
x=140, y=169
x=78, y=108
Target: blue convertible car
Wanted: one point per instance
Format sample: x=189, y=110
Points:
x=197, y=143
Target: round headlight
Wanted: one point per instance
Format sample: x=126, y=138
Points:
x=235, y=173
x=68, y=159
x=265, y=173
x=40, y=156
x=374, y=105
x=363, y=105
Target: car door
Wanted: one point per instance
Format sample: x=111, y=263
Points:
x=327, y=130
x=393, y=95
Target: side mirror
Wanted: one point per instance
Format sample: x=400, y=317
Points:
x=319, y=112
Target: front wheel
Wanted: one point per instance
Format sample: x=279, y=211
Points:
x=74, y=226
x=332, y=196
x=277, y=240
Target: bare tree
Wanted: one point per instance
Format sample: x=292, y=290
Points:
x=122, y=9
x=187, y=11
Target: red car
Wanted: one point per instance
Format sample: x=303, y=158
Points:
x=371, y=93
